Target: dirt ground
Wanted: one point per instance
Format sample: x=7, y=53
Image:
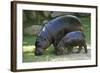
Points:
x=74, y=56
x=30, y=57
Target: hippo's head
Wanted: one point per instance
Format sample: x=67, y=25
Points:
x=41, y=44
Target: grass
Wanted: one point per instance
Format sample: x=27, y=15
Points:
x=87, y=28
x=28, y=47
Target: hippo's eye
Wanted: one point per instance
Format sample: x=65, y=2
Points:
x=44, y=39
x=39, y=45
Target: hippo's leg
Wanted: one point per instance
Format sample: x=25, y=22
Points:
x=79, y=49
x=55, y=45
x=60, y=51
x=69, y=49
x=85, y=47
x=57, y=51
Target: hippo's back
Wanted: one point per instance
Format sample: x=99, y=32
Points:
x=65, y=20
x=76, y=35
x=68, y=22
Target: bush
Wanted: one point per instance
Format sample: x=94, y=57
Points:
x=32, y=30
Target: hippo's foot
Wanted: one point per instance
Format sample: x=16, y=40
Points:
x=59, y=53
x=69, y=53
x=77, y=52
x=86, y=52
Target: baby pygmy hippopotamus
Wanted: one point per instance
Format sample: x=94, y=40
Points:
x=70, y=40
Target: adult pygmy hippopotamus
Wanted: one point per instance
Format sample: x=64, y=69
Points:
x=54, y=30
x=72, y=39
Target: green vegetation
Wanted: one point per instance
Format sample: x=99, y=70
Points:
x=87, y=28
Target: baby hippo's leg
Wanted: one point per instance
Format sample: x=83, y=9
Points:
x=85, y=47
x=79, y=49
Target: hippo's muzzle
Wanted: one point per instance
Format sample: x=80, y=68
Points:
x=38, y=52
